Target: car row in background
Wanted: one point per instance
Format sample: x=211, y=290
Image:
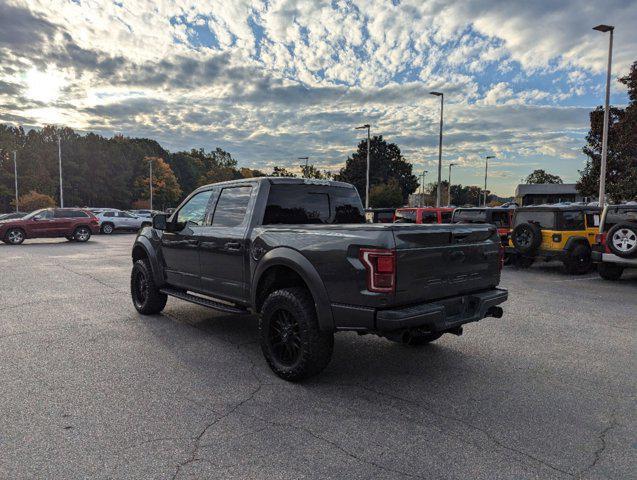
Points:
x=578, y=235
x=73, y=224
x=12, y=216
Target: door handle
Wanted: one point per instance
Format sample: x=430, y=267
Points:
x=233, y=246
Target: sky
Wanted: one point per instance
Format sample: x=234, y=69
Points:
x=271, y=81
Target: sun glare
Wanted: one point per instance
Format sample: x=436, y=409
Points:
x=44, y=86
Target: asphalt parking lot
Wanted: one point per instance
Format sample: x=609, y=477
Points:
x=91, y=389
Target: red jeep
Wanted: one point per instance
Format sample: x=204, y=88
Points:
x=72, y=223
x=423, y=215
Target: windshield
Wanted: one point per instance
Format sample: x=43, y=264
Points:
x=405, y=216
x=33, y=214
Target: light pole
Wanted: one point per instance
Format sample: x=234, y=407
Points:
x=449, y=192
x=15, y=174
x=422, y=188
x=486, y=170
x=60, y=166
x=150, y=180
x=306, y=160
x=602, y=169
x=442, y=103
x=362, y=127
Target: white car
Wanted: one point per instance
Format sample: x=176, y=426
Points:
x=112, y=219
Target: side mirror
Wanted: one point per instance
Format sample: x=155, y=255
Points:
x=160, y=221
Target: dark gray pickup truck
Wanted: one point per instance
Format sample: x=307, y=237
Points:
x=299, y=253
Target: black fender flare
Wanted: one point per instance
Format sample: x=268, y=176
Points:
x=571, y=242
x=288, y=257
x=144, y=243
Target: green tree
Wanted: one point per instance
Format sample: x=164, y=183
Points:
x=621, y=170
x=541, y=176
x=281, y=172
x=386, y=163
x=386, y=195
x=312, y=172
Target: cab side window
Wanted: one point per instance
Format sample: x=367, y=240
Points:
x=429, y=217
x=446, y=217
x=193, y=213
x=573, y=220
x=231, y=207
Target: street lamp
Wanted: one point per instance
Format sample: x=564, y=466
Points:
x=150, y=181
x=442, y=102
x=486, y=170
x=15, y=174
x=602, y=169
x=306, y=159
x=422, y=188
x=60, y=166
x=362, y=127
x=449, y=192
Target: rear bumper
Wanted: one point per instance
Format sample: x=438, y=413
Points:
x=599, y=257
x=436, y=316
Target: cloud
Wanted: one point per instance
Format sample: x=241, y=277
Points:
x=272, y=80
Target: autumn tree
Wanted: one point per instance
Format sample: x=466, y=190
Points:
x=281, y=172
x=386, y=163
x=621, y=169
x=34, y=201
x=541, y=176
x=166, y=189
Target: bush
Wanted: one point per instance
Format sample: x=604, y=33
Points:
x=34, y=201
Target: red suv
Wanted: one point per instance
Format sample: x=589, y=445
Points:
x=72, y=223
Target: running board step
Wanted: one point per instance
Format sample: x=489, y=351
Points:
x=204, y=302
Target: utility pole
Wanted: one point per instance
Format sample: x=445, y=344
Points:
x=439, y=190
x=486, y=170
x=15, y=174
x=362, y=127
x=602, y=169
x=150, y=178
x=60, y=166
x=306, y=160
x=449, y=190
x=422, y=188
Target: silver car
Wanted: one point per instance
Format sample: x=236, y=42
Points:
x=112, y=219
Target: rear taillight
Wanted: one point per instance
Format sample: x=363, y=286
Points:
x=381, y=269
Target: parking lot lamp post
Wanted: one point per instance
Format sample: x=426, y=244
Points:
x=60, y=166
x=422, y=188
x=602, y=168
x=15, y=175
x=449, y=191
x=442, y=104
x=486, y=171
x=362, y=127
x=306, y=160
x=150, y=181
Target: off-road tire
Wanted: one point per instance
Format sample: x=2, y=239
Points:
x=578, y=260
x=14, y=236
x=82, y=234
x=107, y=228
x=610, y=271
x=147, y=298
x=628, y=232
x=313, y=347
x=527, y=237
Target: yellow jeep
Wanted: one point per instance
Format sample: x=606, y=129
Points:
x=562, y=232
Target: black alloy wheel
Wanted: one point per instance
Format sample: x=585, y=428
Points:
x=284, y=337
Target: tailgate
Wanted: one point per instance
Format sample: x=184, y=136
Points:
x=439, y=261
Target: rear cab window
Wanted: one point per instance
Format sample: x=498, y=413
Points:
x=304, y=204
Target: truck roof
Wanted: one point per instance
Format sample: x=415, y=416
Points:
x=281, y=180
